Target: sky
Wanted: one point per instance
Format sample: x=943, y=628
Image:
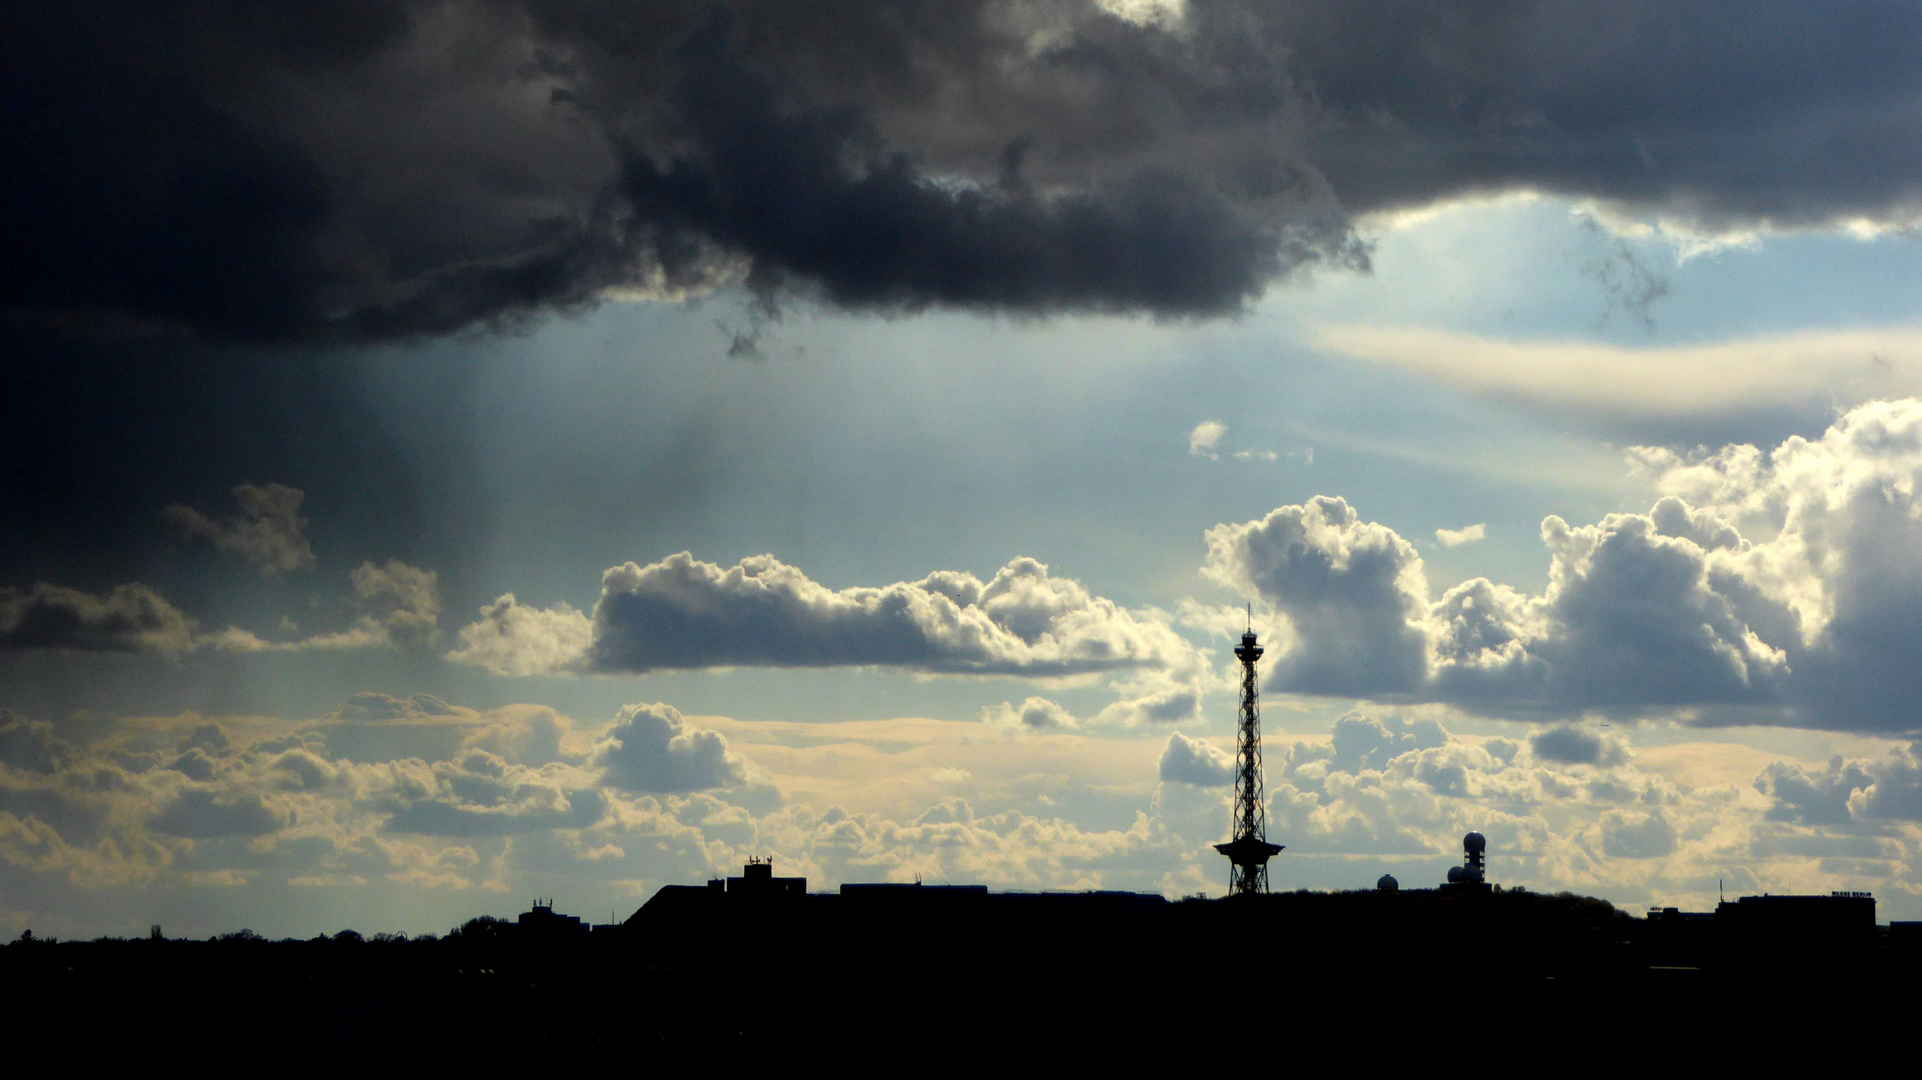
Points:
x=459, y=452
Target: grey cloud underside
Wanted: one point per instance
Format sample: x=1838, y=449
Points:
x=263, y=172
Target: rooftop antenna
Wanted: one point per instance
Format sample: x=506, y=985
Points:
x=1248, y=850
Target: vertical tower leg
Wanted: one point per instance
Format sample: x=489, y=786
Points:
x=1248, y=849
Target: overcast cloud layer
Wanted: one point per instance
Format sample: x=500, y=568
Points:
x=1786, y=584
x=279, y=172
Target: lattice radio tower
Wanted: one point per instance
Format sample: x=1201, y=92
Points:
x=1249, y=850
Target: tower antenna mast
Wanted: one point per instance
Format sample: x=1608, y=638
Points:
x=1248, y=849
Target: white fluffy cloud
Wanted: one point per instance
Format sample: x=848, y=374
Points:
x=513, y=638
x=1467, y=534
x=1033, y=714
x=1205, y=439
x=1353, y=593
x=1788, y=582
x=653, y=749
x=1196, y=763
x=684, y=613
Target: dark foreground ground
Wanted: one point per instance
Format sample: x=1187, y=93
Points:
x=1411, y=982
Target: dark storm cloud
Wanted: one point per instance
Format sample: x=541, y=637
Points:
x=280, y=172
x=130, y=618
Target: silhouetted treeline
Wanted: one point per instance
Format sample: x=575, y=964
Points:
x=937, y=980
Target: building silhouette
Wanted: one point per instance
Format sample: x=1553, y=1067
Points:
x=1472, y=874
x=939, y=978
x=541, y=920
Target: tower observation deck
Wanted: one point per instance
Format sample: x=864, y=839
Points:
x=1248, y=849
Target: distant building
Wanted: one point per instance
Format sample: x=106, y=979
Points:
x=1473, y=873
x=1762, y=932
x=1905, y=937
x=871, y=904
x=757, y=880
x=1838, y=920
x=543, y=922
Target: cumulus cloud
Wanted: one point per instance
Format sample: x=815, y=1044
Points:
x=1195, y=762
x=1846, y=791
x=1205, y=439
x=402, y=605
x=513, y=638
x=1468, y=534
x=1786, y=583
x=682, y=612
x=129, y=618
x=32, y=745
x=1405, y=791
x=651, y=748
x=373, y=727
x=1632, y=834
x=1360, y=742
x=1033, y=714
x=197, y=813
x=1572, y=745
x=481, y=794
x=1812, y=798
x=269, y=533
x=527, y=800
x=1353, y=593
x=371, y=706
x=396, y=170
